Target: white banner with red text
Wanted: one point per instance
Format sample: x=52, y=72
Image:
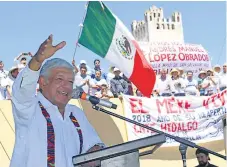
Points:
x=174, y=55
x=198, y=119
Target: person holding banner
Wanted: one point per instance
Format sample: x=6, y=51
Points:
x=202, y=76
x=223, y=78
x=178, y=84
x=211, y=83
x=163, y=84
x=191, y=85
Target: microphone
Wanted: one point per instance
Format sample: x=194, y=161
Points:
x=77, y=93
x=183, y=149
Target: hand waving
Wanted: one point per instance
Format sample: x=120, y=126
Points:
x=46, y=49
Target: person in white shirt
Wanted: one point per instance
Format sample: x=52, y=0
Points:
x=181, y=73
x=110, y=75
x=223, y=78
x=83, y=80
x=210, y=83
x=84, y=63
x=177, y=83
x=48, y=131
x=3, y=76
x=217, y=70
x=14, y=71
x=163, y=84
x=97, y=82
x=22, y=59
x=104, y=92
x=191, y=85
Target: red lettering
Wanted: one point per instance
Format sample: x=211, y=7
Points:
x=163, y=127
x=206, y=103
x=174, y=127
x=169, y=57
x=163, y=57
x=156, y=57
x=174, y=57
x=137, y=105
x=170, y=103
x=187, y=106
x=181, y=56
x=160, y=104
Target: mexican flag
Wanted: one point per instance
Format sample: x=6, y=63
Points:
x=104, y=34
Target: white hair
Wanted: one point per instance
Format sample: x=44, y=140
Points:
x=55, y=63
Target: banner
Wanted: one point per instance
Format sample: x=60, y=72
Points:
x=198, y=119
x=174, y=55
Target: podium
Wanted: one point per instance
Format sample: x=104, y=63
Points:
x=122, y=155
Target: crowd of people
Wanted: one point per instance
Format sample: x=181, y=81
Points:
x=112, y=84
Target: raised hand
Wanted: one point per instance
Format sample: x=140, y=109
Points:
x=46, y=49
x=73, y=63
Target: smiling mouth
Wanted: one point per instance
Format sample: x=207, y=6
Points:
x=63, y=93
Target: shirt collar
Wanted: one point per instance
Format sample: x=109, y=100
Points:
x=47, y=104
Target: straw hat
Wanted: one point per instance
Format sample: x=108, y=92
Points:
x=202, y=72
x=174, y=70
x=11, y=69
x=217, y=66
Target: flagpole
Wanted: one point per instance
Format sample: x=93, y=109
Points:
x=81, y=27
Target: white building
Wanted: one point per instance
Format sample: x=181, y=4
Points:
x=157, y=28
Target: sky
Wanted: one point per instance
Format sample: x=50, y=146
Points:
x=25, y=25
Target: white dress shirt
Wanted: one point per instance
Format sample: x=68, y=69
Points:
x=30, y=148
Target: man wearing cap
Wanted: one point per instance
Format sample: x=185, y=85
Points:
x=84, y=63
x=3, y=76
x=83, y=80
x=217, y=70
x=223, y=78
x=182, y=74
x=211, y=83
x=191, y=85
x=203, y=158
x=22, y=58
x=14, y=71
x=118, y=85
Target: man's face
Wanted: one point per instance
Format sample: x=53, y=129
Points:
x=181, y=72
x=202, y=159
x=189, y=76
x=117, y=73
x=217, y=69
x=163, y=73
x=104, y=88
x=209, y=73
x=98, y=74
x=97, y=63
x=23, y=61
x=224, y=68
x=15, y=73
x=57, y=88
x=202, y=76
x=175, y=74
x=83, y=71
x=1, y=65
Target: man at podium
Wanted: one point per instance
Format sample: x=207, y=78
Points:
x=49, y=132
